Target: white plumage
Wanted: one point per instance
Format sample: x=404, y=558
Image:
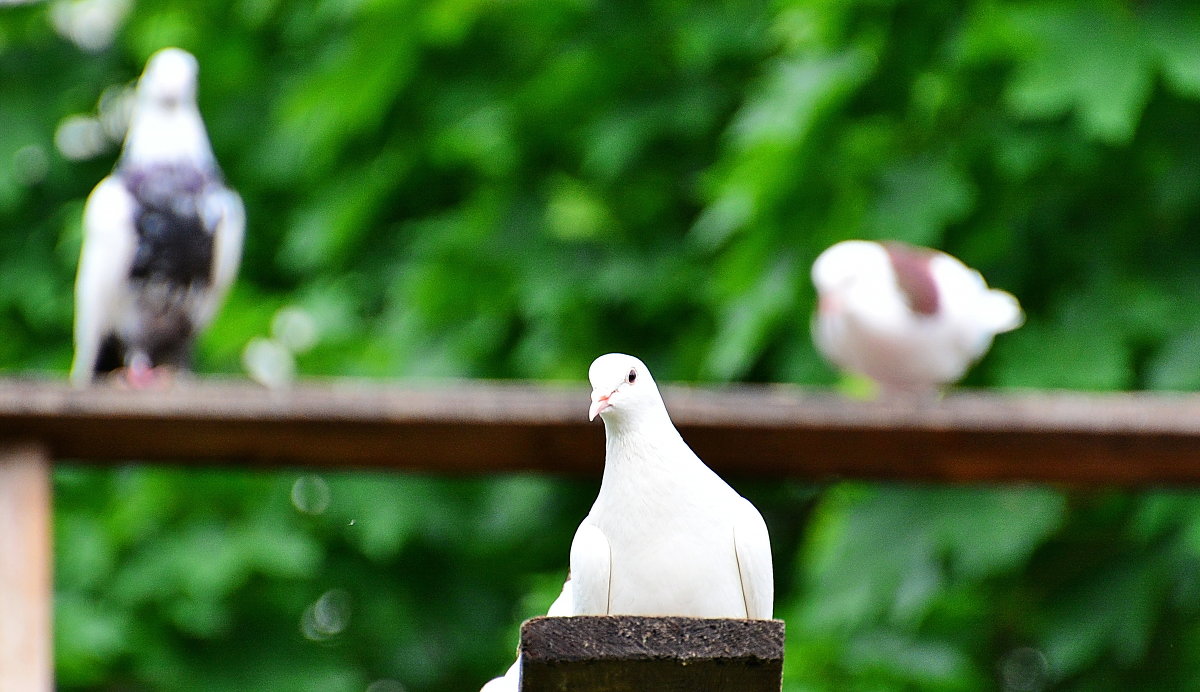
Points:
x=162, y=235
x=909, y=318
x=666, y=536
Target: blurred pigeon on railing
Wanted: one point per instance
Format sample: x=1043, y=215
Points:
x=666, y=536
x=162, y=236
x=910, y=318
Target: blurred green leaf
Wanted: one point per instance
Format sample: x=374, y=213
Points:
x=918, y=199
x=1089, y=57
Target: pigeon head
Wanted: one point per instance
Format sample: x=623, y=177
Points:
x=622, y=388
x=860, y=265
x=169, y=80
x=842, y=267
x=165, y=127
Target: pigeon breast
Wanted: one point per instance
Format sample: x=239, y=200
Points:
x=174, y=241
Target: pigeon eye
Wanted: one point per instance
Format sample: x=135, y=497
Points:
x=631, y=376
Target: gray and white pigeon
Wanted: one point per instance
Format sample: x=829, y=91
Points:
x=666, y=536
x=910, y=318
x=162, y=236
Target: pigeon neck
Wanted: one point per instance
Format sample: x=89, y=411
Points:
x=649, y=441
x=168, y=137
x=644, y=470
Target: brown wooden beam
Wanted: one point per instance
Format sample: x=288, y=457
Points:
x=26, y=661
x=623, y=653
x=488, y=427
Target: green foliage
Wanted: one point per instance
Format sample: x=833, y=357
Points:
x=466, y=188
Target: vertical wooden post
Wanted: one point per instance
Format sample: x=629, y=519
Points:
x=26, y=589
x=626, y=653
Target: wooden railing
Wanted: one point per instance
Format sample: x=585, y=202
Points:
x=492, y=427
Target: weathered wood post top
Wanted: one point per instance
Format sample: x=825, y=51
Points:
x=622, y=653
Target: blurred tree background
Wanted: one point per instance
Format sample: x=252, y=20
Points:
x=474, y=188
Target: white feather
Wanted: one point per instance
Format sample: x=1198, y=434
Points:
x=510, y=682
x=666, y=536
x=109, y=241
x=865, y=325
x=591, y=572
x=224, y=207
x=682, y=542
x=752, y=546
x=166, y=133
x=166, y=125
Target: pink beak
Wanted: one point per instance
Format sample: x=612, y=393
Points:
x=599, y=405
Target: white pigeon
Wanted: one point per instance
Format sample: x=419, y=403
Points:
x=666, y=536
x=162, y=236
x=910, y=318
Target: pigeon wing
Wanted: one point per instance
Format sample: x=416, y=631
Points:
x=588, y=544
x=225, y=215
x=109, y=243
x=752, y=548
x=509, y=683
x=591, y=571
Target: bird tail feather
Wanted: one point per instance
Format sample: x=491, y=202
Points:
x=1000, y=312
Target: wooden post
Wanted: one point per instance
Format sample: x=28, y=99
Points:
x=26, y=589
x=621, y=653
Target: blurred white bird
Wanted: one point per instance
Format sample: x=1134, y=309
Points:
x=909, y=318
x=162, y=236
x=666, y=536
